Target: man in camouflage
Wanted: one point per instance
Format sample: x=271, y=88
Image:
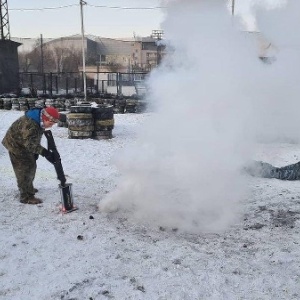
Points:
x=23, y=142
x=265, y=170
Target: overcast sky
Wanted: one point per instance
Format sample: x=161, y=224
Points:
x=101, y=21
x=106, y=18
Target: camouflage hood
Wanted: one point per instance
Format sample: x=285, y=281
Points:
x=34, y=114
x=25, y=134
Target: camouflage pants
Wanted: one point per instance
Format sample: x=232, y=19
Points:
x=24, y=166
x=262, y=169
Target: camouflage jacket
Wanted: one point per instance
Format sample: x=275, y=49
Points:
x=24, y=135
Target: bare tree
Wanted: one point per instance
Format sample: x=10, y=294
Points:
x=59, y=54
x=113, y=66
x=55, y=59
x=25, y=63
x=72, y=61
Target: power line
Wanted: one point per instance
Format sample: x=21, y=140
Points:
x=96, y=6
x=43, y=8
x=122, y=7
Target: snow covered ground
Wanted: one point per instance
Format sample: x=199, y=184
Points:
x=189, y=225
x=90, y=254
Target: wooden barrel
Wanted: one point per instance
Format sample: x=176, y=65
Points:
x=69, y=103
x=49, y=102
x=131, y=105
x=103, y=121
x=141, y=106
x=31, y=102
x=80, y=125
x=119, y=107
x=40, y=103
x=60, y=104
x=23, y=103
x=7, y=103
x=15, y=105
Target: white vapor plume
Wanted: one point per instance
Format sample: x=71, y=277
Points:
x=211, y=95
x=278, y=116
x=247, y=10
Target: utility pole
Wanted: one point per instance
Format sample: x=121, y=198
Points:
x=42, y=65
x=232, y=7
x=83, y=48
x=98, y=63
x=157, y=34
x=4, y=21
x=42, y=55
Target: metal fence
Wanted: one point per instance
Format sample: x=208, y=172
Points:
x=71, y=83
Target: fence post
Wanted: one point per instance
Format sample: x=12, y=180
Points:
x=44, y=84
x=56, y=84
x=117, y=82
x=31, y=83
x=67, y=84
x=120, y=84
x=51, y=92
x=97, y=78
x=83, y=81
x=75, y=83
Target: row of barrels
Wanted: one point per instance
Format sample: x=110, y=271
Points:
x=85, y=121
x=24, y=104
x=122, y=105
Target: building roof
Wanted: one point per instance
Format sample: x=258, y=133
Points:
x=28, y=44
x=105, y=46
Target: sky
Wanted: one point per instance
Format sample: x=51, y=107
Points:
x=101, y=21
x=34, y=17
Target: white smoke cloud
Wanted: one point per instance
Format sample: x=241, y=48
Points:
x=212, y=96
x=281, y=25
x=246, y=9
x=279, y=118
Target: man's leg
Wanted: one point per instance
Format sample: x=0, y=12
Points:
x=32, y=190
x=25, y=168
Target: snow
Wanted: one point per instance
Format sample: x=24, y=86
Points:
x=43, y=257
